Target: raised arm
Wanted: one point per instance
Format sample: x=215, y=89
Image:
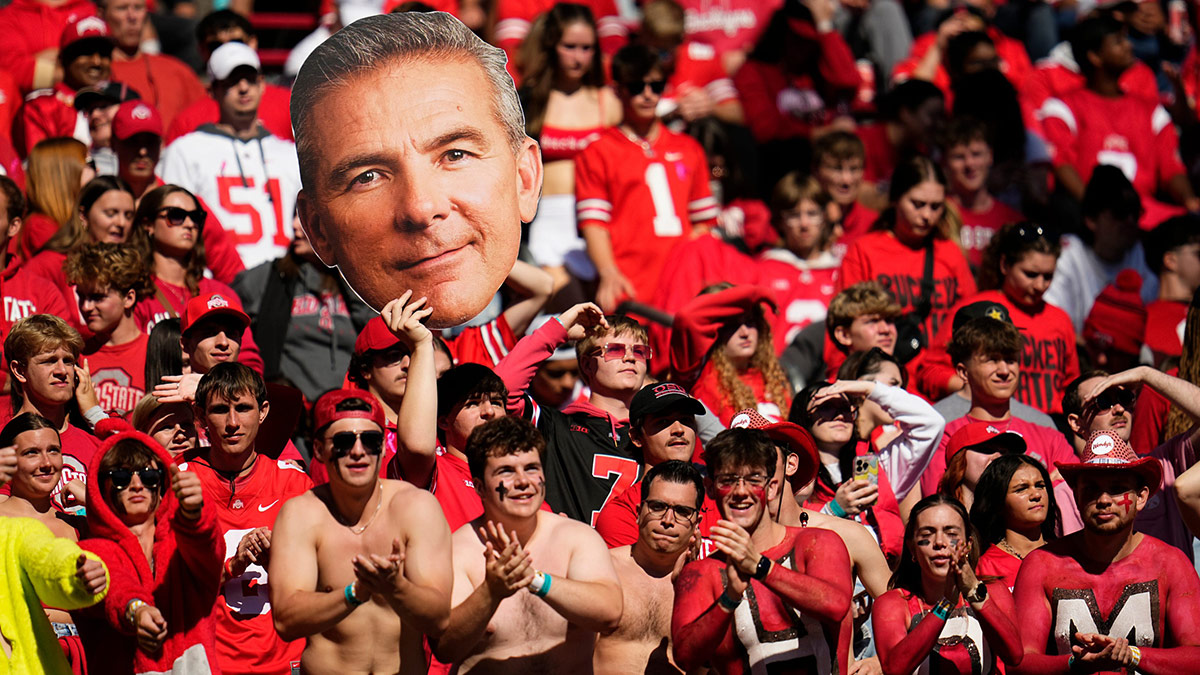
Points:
x=590, y=595
x=299, y=609
x=517, y=369
x=534, y=286
x=416, y=421
x=698, y=322
x=1179, y=392
x=908, y=455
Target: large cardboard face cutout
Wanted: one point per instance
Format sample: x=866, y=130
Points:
x=416, y=169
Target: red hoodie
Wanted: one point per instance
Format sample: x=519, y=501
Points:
x=183, y=584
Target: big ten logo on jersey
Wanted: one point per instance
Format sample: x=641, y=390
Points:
x=15, y=310
x=114, y=390
x=623, y=469
x=247, y=595
x=251, y=209
x=778, y=638
x=1134, y=616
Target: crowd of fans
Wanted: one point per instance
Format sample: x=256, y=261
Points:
x=849, y=336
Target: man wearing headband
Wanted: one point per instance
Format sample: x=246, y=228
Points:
x=1107, y=598
x=1097, y=401
x=247, y=490
x=362, y=564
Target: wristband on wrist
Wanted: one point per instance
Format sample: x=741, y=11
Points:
x=540, y=586
x=131, y=610
x=1137, y=656
x=94, y=415
x=351, y=596
x=727, y=603
x=835, y=509
x=942, y=609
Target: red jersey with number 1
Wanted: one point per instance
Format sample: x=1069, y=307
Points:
x=246, y=637
x=648, y=197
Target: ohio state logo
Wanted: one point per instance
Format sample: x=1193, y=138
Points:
x=91, y=24
x=217, y=301
x=140, y=112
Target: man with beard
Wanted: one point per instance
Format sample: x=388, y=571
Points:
x=531, y=589
x=362, y=592
x=767, y=580
x=672, y=497
x=1106, y=598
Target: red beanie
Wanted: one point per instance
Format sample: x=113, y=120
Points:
x=1118, y=318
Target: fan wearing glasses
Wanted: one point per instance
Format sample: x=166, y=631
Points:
x=361, y=565
x=767, y=579
x=667, y=538
x=1097, y=401
x=152, y=526
x=247, y=491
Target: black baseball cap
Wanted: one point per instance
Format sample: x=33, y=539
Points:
x=656, y=398
x=977, y=310
x=108, y=92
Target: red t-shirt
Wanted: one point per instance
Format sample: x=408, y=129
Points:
x=246, y=637
x=697, y=66
x=274, y=112
x=997, y=562
x=1049, y=358
x=1044, y=444
x=119, y=374
x=451, y=485
x=648, y=198
x=1085, y=129
x=881, y=257
x=727, y=24
x=979, y=226
x=164, y=82
x=1165, y=321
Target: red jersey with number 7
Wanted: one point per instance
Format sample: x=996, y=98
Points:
x=648, y=195
x=246, y=637
x=249, y=184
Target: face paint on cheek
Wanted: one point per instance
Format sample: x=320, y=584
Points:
x=923, y=543
x=1126, y=502
x=760, y=493
x=501, y=490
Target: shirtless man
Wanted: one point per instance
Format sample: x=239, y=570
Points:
x=672, y=496
x=360, y=566
x=1106, y=598
x=795, y=592
x=531, y=589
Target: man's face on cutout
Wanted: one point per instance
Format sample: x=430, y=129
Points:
x=412, y=183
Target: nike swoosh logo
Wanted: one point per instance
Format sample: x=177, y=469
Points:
x=264, y=509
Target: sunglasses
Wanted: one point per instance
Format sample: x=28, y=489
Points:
x=659, y=509
x=176, y=216
x=1111, y=398
x=835, y=409
x=121, y=478
x=636, y=87
x=343, y=442
x=615, y=351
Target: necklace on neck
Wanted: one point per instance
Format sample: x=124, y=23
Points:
x=363, y=528
x=1007, y=547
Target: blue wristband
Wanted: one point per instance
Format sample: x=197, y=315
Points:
x=835, y=509
x=942, y=610
x=542, y=589
x=727, y=603
x=351, y=598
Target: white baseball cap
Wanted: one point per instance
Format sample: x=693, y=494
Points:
x=230, y=56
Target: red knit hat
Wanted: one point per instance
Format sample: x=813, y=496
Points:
x=1118, y=318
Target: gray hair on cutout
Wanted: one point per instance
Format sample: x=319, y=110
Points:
x=367, y=43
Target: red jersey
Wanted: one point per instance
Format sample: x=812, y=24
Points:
x=780, y=106
x=1148, y=597
x=880, y=256
x=164, y=82
x=49, y=113
x=979, y=226
x=1045, y=444
x=119, y=374
x=697, y=67
x=728, y=25
x=32, y=26
x=451, y=485
x=997, y=562
x=485, y=345
x=246, y=637
x=1049, y=357
x=1085, y=129
x=802, y=291
x=648, y=195
x=274, y=112
x=1014, y=61
x=1165, y=322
